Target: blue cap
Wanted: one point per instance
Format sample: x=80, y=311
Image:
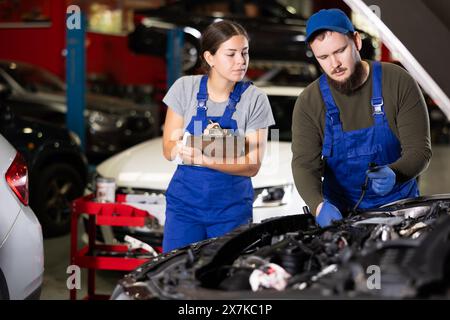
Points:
x=328, y=19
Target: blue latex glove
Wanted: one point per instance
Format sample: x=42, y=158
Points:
x=328, y=213
x=383, y=179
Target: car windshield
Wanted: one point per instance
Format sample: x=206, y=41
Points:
x=282, y=88
x=274, y=9
x=282, y=108
x=248, y=8
x=34, y=79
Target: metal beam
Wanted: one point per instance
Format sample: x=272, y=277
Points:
x=174, y=56
x=76, y=76
x=419, y=36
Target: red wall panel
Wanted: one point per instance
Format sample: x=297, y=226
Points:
x=106, y=55
x=109, y=55
x=38, y=45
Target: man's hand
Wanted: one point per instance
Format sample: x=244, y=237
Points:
x=383, y=179
x=327, y=214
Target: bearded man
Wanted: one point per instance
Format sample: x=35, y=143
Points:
x=360, y=133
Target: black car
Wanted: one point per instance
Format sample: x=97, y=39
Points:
x=112, y=124
x=57, y=166
x=277, y=32
x=400, y=251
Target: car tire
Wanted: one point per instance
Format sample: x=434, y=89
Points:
x=191, y=54
x=51, y=194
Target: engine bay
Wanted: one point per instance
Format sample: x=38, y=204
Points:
x=399, y=251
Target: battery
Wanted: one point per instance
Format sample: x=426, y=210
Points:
x=105, y=189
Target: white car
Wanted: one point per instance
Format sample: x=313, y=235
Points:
x=143, y=168
x=21, y=243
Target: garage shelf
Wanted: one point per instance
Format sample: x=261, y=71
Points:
x=94, y=256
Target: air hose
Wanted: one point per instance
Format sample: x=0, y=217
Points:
x=372, y=168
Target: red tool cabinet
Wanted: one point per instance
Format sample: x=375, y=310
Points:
x=107, y=214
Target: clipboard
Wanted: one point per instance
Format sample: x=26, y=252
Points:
x=221, y=148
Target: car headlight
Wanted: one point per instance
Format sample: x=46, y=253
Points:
x=272, y=196
x=100, y=121
x=75, y=138
x=157, y=198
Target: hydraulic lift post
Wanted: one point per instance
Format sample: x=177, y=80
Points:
x=174, y=55
x=76, y=77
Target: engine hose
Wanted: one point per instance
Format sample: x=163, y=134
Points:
x=372, y=167
x=363, y=192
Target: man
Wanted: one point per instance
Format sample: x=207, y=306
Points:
x=362, y=126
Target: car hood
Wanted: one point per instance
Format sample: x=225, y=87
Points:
x=112, y=104
x=131, y=168
x=94, y=102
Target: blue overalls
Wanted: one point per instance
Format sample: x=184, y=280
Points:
x=201, y=202
x=347, y=154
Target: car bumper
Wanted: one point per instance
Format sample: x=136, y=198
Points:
x=22, y=257
x=35, y=295
x=293, y=204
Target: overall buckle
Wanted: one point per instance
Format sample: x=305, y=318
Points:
x=377, y=105
x=334, y=117
x=202, y=104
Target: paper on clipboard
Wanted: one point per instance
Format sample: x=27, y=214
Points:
x=178, y=159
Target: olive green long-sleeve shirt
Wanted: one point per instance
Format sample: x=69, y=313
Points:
x=406, y=113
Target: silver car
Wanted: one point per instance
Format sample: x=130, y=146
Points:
x=21, y=244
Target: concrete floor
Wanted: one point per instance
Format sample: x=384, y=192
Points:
x=57, y=260
x=435, y=180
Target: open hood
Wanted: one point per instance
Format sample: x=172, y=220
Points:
x=418, y=30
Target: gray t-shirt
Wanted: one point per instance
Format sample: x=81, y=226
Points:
x=252, y=112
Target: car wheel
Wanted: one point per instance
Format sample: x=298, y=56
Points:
x=51, y=195
x=190, y=55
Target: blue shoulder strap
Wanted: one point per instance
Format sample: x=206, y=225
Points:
x=377, y=95
x=202, y=98
x=332, y=118
x=235, y=97
x=238, y=90
x=202, y=95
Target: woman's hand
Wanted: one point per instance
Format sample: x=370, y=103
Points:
x=247, y=165
x=173, y=134
x=191, y=155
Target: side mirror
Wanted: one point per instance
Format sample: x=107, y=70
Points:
x=6, y=114
x=5, y=91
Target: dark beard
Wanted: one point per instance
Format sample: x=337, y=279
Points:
x=352, y=83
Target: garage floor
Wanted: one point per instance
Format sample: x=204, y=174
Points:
x=435, y=180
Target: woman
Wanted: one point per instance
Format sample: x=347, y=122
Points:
x=211, y=198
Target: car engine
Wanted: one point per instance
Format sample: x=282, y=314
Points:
x=399, y=251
